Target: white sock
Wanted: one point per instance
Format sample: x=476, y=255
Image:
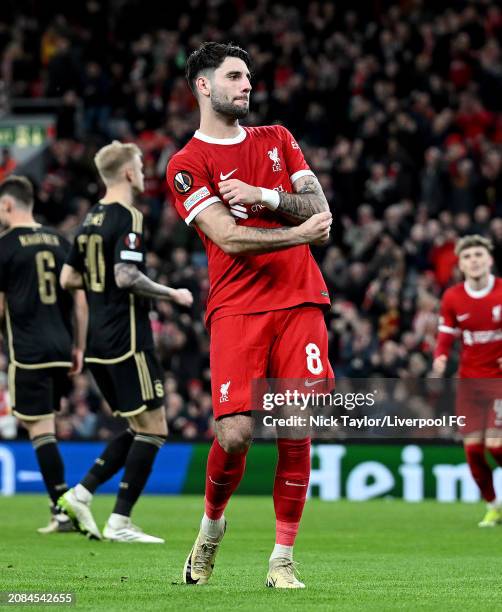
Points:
x=82, y=494
x=282, y=552
x=212, y=528
x=117, y=520
x=496, y=504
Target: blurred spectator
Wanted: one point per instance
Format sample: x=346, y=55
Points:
x=7, y=163
x=397, y=107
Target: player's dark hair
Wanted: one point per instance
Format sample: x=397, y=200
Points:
x=209, y=56
x=20, y=188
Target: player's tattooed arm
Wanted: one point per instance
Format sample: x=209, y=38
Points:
x=220, y=226
x=128, y=276
x=308, y=200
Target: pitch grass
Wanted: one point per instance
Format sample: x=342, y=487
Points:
x=378, y=555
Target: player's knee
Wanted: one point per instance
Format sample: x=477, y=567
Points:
x=39, y=427
x=493, y=443
x=235, y=441
x=153, y=422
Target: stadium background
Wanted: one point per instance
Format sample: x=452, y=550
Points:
x=397, y=106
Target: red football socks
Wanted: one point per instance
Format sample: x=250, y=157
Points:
x=290, y=487
x=223, y=475
x=480, y=470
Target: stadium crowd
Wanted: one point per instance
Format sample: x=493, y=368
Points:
x=397, y=107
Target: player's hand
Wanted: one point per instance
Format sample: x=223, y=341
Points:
x=499, y=361
x=183, y=297
x=234, y=191
x=77, y=362
x=439, y=366
x=316, y=229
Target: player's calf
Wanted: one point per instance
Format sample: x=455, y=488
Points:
x=50, y=462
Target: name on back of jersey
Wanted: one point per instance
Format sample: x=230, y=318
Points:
x=95, y=219
x=28, y=240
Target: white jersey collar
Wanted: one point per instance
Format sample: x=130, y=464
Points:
x=222, y=141
x=480, y=293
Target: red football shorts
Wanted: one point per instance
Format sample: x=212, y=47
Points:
x=290, y=343
x=479, y=401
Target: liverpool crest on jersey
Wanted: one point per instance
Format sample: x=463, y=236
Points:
x=276, y=160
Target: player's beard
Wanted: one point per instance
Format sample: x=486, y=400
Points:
x=228, y=109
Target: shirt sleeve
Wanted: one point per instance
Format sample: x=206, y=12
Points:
x=293, y=156
x=447, y=319
x=447, y=330
x=129, y=243
x=191, y=189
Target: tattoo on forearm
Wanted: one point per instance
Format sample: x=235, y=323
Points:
x=308, y=201
x=258, y=240
x=128, y=276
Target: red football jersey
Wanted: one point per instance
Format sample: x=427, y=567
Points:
x=476, y=316
x=264, y=157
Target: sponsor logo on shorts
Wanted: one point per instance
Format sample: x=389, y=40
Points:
x=311, y=383
x=159, y=388
x=196, y=197
x=224, y=392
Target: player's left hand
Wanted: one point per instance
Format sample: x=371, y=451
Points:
x=499, y=361
x=77, y=359
x=234, y=191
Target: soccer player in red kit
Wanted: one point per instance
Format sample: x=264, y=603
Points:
x=473, y=311
x=240, y=187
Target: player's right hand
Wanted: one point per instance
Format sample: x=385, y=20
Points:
x=77, y=362
x=316, y=229
x=183, y=297
x=439, y=365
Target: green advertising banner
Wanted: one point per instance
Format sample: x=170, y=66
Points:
x=360, y=472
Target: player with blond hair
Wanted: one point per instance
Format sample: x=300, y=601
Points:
x=108, y=260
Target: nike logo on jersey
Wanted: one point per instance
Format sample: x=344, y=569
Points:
x=295, y=484
x=311, y=383
x=463, y=317
x=223, y=177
